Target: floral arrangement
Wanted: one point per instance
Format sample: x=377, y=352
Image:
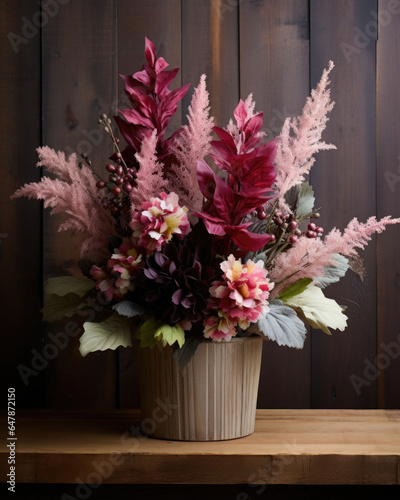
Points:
x=210, y=233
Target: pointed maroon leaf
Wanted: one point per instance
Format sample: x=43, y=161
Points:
x=143, y=77
x=163, y=80
x=136, y=118
x=226, y=137
x=160, y=65
x=240, y=114
x=247, y=241
x=150, y=52
x=205, y=179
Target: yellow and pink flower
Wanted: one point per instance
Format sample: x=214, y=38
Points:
x=240, y=298
x=159, y=220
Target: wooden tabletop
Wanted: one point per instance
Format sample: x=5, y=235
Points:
x=288, y=447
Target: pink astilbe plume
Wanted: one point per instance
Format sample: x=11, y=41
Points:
x=191, y=146
x=310, y=256
x=75, y=195
x=300, y=139
x=149, y=181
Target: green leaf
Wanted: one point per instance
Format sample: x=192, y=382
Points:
x=305, y=202
x=282, y=325
x=128, y=309
x=57, y=307
x=294, y=289
x=109, y=334
x=320, y=312
x=292, y=196
x=147, y=332
x=170, y=334
x=62, y=285
x=153, y=331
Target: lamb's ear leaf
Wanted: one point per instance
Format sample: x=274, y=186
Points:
x=282, y=325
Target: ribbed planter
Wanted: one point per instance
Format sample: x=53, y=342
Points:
x=213, y=398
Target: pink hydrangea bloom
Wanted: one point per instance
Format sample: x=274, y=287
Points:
x=219, y=327
x=105, y=282
x=159, y=220
x=116, y=280
x=243, y=294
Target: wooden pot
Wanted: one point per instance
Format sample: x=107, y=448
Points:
x=213, y=398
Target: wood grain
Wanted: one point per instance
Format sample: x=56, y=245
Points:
x=20, y=220
x=210, y=45
x=274, y=66
x=344, y=185
x=388, y=189
x=288, y=447
x=79, y=83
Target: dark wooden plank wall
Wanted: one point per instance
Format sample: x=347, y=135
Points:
x=276, y=49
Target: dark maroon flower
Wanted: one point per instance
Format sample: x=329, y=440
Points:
x=178, y=278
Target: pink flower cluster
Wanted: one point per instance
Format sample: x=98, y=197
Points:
x=116, y=279
x=240, y=299
x=159, y=220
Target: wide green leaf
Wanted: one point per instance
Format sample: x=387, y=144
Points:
x=109, y=334
x=62, y=285
x=147, y=332
x=295, y=288
x=168, y=334
x=282, y=325
x=56, y=307
x=320, y=312
x=153, y=331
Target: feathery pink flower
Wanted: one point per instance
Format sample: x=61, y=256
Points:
x=300, y=139
x=190, y=146
x=75, y=195
x=149, y=180
x=309, y=256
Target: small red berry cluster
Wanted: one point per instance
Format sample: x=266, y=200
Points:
x=120, y=179
x=287, y=224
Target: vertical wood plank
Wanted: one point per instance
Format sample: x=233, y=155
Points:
x=79, y=81
x=161, y=22
x=345, y=187
x=274, y=49
x=388, y=189
x=210, y=45
x=20, y=220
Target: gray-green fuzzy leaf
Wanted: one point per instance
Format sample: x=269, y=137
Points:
x=128, y=309
x=282, y=325
x=332, y=274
